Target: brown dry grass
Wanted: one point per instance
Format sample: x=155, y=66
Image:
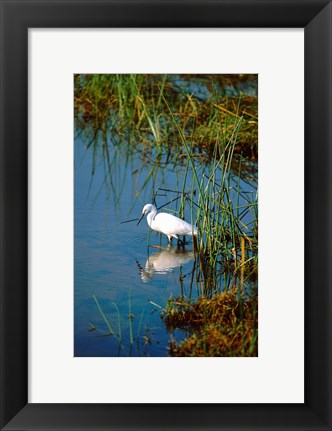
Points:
x=225, y=325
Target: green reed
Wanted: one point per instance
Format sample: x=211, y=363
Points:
x=222, y=239
x=132, y=106
x=119, y=335
x=111, y=331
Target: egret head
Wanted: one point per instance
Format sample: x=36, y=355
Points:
x=146, y=209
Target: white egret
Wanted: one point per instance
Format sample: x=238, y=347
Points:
x=166, y=223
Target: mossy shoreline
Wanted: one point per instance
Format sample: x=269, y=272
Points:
x=225, y=325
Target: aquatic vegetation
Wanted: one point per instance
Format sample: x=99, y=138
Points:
x=132, y=108
x=109, y=326
x=124, y=337
x=226, y=217
x=225, y=325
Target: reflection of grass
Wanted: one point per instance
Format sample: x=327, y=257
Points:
x=130, y=318
x=225, y=325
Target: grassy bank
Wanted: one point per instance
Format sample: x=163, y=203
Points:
x=133, y=107
x=225, y=325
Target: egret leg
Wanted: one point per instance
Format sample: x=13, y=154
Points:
x=180, y=242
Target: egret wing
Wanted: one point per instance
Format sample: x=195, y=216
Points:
x=171, y=225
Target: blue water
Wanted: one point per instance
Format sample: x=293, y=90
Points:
x=113, y=262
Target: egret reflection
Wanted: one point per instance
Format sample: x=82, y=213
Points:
x=164, y=261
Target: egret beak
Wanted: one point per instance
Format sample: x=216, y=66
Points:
x=139, y=221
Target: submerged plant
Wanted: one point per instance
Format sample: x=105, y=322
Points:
x=120, y=335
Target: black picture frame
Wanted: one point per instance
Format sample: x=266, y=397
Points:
x=16, y=18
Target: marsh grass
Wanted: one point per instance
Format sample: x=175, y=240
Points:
x=224, y=240
x=132, y=107
x=225, y=325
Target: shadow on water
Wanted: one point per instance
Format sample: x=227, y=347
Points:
x=126, y=277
